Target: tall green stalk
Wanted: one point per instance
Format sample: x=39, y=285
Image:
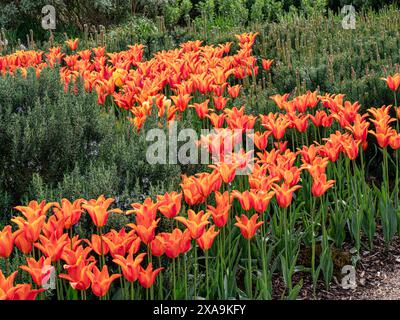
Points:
x=250, y=286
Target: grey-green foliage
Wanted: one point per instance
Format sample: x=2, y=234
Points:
x=314, y=6
x=175, y=10
x=266, y=10
x=58, y=145
x=233, y=11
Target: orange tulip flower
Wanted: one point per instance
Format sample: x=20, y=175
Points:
x=277, y=125
x=72, y=43
x=226, y=170
x=78, y=274
x=170, y=204
x=244, y=198
x=201, y=109
x=120, y=242
x=248, y=227
x=70, y=212
x=74, y=255
x=30, y=229
x=52, y=247
x=38, y=270
x=6, y=285
x=321, y=185
x=321, y=119
x=181, y=101
x=6, y=242
x=261, y=139
x=234, y=90
x=393, y=82
x=261, y=199
x=196, y=223
x=220, y=102
x=300, y=123
x=173, y=243
x=97, y=245
x=351, y=148
x=34, y=209
x=146, y=232
x=280, y=100
x=290, y=176
x=157, y=245
x=19, y=292
x=54, y=227
x=206, y=241
x=317, y=167
x=22, y=243
x=220, y=213
x=308, y=154
x=191, y=190
x=146, y=212
x=216, y=120
x=395, y=142
x=284, y=194
x=25, y=292
x=148, y=276
x=266, y=64
x=130, y=266
x=99, y=212
x=101, y=280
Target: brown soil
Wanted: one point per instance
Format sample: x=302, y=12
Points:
x=377, y=277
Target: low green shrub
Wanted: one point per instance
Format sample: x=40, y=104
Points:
x=56, y=144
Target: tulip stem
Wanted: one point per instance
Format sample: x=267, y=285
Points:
x=132, y=291
x=103, y=261
x=122, y=284
x=286, y=240
x=150, y=261
x=160, y=284
x=70, y=236
x=249, y=268
x=186, y=275
x=313, y=246
x=7, y=262
x=195, y=270
x=207, y=279
x=174, y=278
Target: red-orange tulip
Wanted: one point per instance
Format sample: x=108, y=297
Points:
x=321, y=185
x=206, y=241
x=101, y=280
x=248, y=227
x=78, y=274
x=393, y=82
x=98, y=210
x=52, y=247
x=284, y=194
x=220, y=213
x=70, y=212
x=72, y=43
x=170, y=204
x=148, y=276
x=38, y=270
x=6, y=242
x=130, y=266
x=266, y=64
x=196, y=223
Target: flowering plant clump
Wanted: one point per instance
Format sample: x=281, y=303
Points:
x=297, y=193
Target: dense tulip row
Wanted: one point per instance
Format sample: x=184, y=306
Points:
x=209, y=204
